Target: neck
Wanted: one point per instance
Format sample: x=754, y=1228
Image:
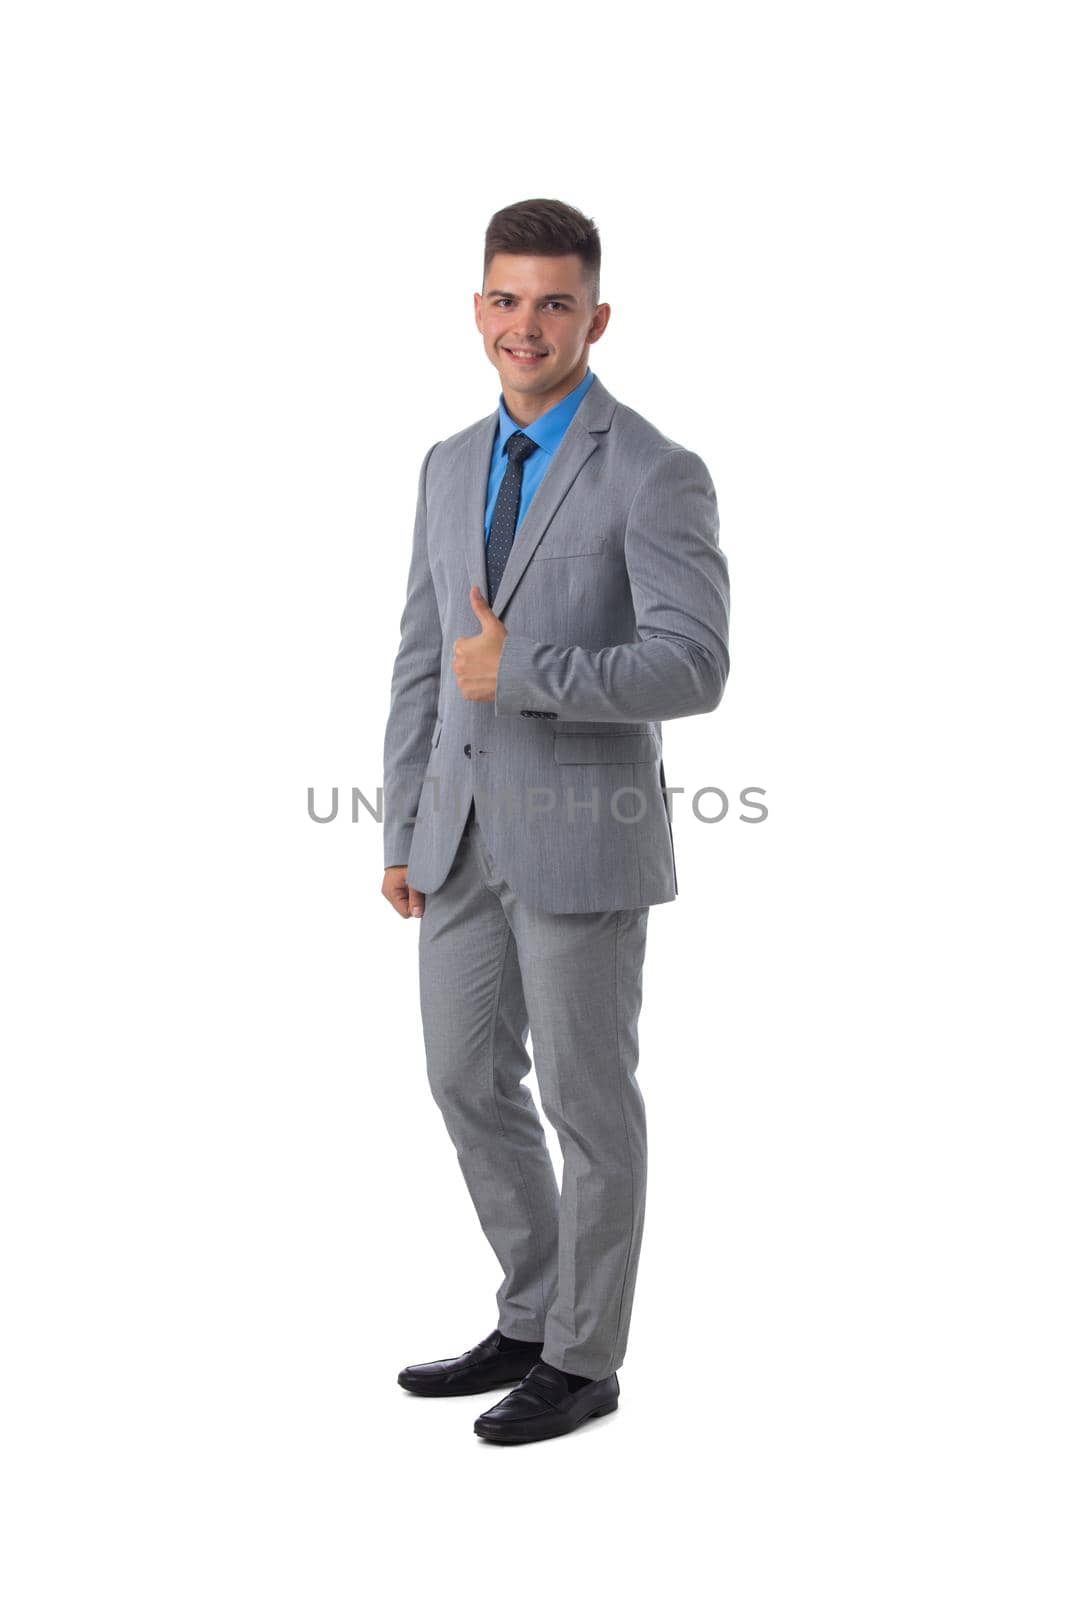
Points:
x=526, y=408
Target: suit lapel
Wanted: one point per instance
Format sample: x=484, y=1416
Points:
x=475, y=488
x=592, y=417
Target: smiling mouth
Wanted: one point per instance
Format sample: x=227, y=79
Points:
x=527, y=358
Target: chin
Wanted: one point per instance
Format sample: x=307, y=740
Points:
x=533, y=379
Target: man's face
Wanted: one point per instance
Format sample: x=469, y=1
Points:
x=537, y=320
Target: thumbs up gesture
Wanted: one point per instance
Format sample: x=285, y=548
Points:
x=475, y=659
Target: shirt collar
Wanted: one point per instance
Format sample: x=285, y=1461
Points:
x=550, y=426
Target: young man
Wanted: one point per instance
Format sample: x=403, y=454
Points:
x=566, y=594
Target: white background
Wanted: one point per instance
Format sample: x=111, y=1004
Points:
x=242, y=244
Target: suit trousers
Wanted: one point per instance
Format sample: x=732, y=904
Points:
x=493, y=972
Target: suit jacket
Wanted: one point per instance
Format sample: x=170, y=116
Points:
x=616, y=599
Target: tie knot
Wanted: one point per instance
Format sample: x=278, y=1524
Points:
x=519, y=446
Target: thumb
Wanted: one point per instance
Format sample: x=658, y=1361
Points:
x=482, y=609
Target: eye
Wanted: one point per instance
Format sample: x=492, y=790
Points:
x=502, y=301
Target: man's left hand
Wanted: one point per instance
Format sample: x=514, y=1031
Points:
x=475, y=659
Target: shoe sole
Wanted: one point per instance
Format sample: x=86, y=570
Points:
x=492, y=1437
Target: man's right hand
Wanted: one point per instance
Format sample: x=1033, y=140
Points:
x=404, y=901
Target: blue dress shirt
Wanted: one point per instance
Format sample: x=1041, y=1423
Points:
x=546, y=434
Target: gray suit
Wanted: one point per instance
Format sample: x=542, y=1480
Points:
x=538, y=829
x=616, y=601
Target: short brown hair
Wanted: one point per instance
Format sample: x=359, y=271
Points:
x=544, y=228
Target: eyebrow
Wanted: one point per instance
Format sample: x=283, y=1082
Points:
x=555, y=294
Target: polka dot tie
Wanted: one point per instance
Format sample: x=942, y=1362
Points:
x=506, y=511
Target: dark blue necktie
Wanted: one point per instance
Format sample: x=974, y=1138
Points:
x=506, y=511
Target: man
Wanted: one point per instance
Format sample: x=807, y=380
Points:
x=566, y=594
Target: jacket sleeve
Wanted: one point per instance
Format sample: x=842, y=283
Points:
x=414, y=694
x=679, y=581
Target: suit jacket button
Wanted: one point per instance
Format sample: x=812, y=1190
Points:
x=525, y=713
x=466, y=749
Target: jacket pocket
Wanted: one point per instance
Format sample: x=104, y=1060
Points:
x=586, y=749
x=562, y=549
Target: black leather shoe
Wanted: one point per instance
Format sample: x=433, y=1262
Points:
x=542, y=1407
x=484, y=1367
